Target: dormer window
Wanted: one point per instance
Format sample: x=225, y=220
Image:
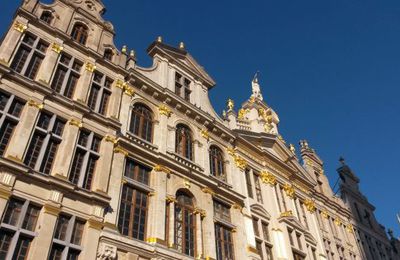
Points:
x=80, y=33
x=182, y=86
x=108, y=54
x=46, y=17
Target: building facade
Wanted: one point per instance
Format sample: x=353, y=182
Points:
x=104, y=159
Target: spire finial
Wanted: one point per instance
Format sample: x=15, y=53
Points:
x=255, y=87
x=342, y=161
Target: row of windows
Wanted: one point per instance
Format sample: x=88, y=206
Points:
x=18, y=230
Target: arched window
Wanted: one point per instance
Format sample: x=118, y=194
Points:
x=46, y=17
x=217, y=167
x=80, y=33
x=185, y=225
x=108, y=54
x=142, y=122
x=184, y=142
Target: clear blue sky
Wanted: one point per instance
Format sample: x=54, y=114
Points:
x=330, y=69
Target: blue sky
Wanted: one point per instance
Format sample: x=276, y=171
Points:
x=330, y=69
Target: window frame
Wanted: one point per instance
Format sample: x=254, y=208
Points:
x=184, y=142
x=70, y=71
x=217, y=163
x=143, y=121
x=187, y=210
x=104, y=89
x=80, y=35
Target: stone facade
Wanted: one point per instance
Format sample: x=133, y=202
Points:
x=103, y=159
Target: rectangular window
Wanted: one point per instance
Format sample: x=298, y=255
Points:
x=66, y=75
x=182, y=87
x=133, y=213
x=29, y=56
x=268, y=252
x=223, y=242
x=85, y=159
x=255, y=227
x=222, y=211
x=248, y=183
x=259, y=248
x=18, y=229
x=67, y=238
x=265, y=230
x=100, y=93
x=44, y=142
x=137, y=171
x=10, y=111
x=258, y=188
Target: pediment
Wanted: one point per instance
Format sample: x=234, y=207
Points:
x=183, y=59
x=260, y=211
x=93, y=7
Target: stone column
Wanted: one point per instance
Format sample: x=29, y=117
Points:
x=124, y=114
x=161, y=133
x=91, y=239
x=47, y=221
x=114, y=190
x=208, y=225
x=66, y=149
x=280, y=245
x=156, y=231
x=199, y=234
x=22, y=132
x=171, y=138
x=49, y=62
x=103, y=167
x=83, y=86
x=11, y=40
x=116, y=98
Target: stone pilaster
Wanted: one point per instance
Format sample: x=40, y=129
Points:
x=66, y=149
x=171, y=235
x=208, y=225
x=22, y=132
x=49, y=62
x=91, y=239
x=115, y=99
x=199, y=235
x=83, y=86
x=161, y=133
x=47, y=221
x=11, y=40
x=103, y=167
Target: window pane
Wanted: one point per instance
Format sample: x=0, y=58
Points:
x=61, y=229
x=93, y=96
x=20, y=59
x=31, y=217
x=5, y=240
x=3, y=100
x=13, y=212
x=56, y=252
x=22, y=248
x=77, y=232
x=73, y=255
x=33, y=67
x=5, y=134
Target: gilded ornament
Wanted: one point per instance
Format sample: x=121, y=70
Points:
x=281, y=138
x=111, y=139
x=325, y=214
x=208, y=190
x=230, y=105
x=240, y=162
x=242, y=113
x=349, y=228
x=292, y=149
x=170, y=199
x=309, y=162
x=164, y=110
x=310, y=205
x=119, y=149
x=33, y=103
x=161, y=168
x=231, y=151
x=130, y=91
x=75, y=122
x=159, y=39
x=268, y=178
x=20, y=27
x=288, y=213
x=337, y=221
x=90, y=67
x=124, y=49
x=57, y=47
x=290, y=191
x=120, y=84
x=186, y=183
x=205, y=134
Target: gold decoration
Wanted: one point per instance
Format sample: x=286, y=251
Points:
x=337, y=221
x=292, y=149
x=231, y=151
x=309, y=162
x=90, y=67
x=164, y=110
x=186, y=183
x=182, y=45
x=288, y=213
x=152, y=240
x=200, y=211
x=240, y=162
x=119, y=149
x=310, y=205
x=281, y=138
x=151, y=194
x=268, y=178
x=290, y=191
x=170, y=199
x=33, y=103
x=124, y=49
x=349, y=228
x=324, y=214
x=242, y=113
x=161, y=168
x=75, y=122
x=57, y=47
x=111, y=139
x=230, y=105
x=252, y=99
x=205, y=134
x=130, y=91
x=159, y=39
x=208, y=190
x=237, y=206
x=20, y=27
x=120, y=84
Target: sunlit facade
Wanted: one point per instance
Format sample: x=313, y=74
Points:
x=103, y=159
